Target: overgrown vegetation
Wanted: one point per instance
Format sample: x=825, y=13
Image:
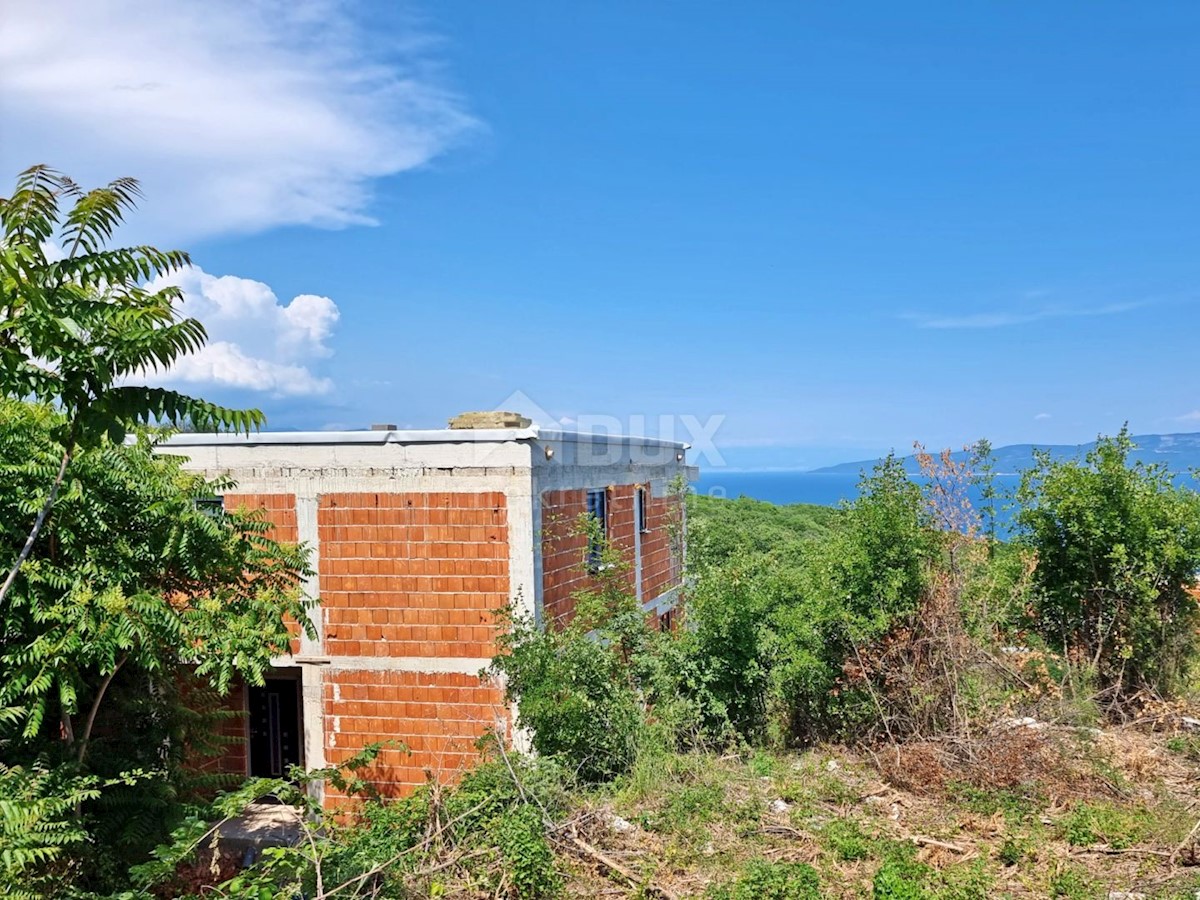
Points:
x=129, y=604
x=961, y=666
x=139, y=606
x=1118, y=547
x=876, y=708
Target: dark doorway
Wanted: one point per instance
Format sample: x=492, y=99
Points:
x=274, y=727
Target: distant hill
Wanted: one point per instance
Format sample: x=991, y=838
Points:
x=1180, y=452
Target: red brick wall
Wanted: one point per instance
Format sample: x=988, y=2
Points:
x=438, y=717
x=414, y=574
x=280, y=511
x=564, y=545
x=402, y=575
x=660, y=563
x=231, y=756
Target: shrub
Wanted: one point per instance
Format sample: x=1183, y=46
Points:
x=1118, y=546
x=528, y=861
x=846, y=839
x=772, y=881
x=575, y=696
x=583, y=690
x=901, y=877
x=770, y=634
x=722, y=662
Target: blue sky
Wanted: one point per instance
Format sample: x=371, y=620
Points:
x=842, y=227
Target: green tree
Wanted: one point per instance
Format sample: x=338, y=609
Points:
x=1117, y=547
x=140, y=598
x=857, y=586
x=718, y=529
x=77, y=329
x=37, y=828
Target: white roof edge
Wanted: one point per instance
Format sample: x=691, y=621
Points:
x=429, y=436
x=556, y=434
x=284, y=438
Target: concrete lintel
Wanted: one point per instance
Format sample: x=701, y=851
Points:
x=470, y=665
x=663, y=602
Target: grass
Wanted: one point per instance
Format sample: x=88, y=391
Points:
x=1186, y=745
x=846, y=840
x=771, y=881
x=1074, y=883
x=825, y=823
x=1013, y=805
x=1105, y=823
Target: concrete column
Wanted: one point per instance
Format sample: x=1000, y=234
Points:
x=311, y=659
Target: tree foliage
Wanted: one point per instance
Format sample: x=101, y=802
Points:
x=138, y=589
x=80, y=325
x=136, y=571
x=771, y=632
x=1118, y=546
x=720, y=529
x=37, y=831
x=127, y=611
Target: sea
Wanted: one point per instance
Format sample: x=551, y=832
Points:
x=822, y=488
x=779, y=486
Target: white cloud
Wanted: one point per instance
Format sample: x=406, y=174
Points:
x=236, y=115
x=1042, y=417
x=1193, y=416
x=223, y=363
x=1004, y=318
x=255, y=342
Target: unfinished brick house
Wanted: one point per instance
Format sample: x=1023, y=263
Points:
x=418, y=539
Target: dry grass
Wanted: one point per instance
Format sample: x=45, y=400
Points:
x=1022, y=812
x=1040, y=763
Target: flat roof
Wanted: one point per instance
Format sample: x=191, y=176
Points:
x=424, y=436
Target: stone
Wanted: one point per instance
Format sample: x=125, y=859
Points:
x=490, y=419
x=619, y=825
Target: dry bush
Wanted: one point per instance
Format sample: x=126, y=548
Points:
x=928, y=678
x=1019, y=760
x=1147, y=711
x=920, y=767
